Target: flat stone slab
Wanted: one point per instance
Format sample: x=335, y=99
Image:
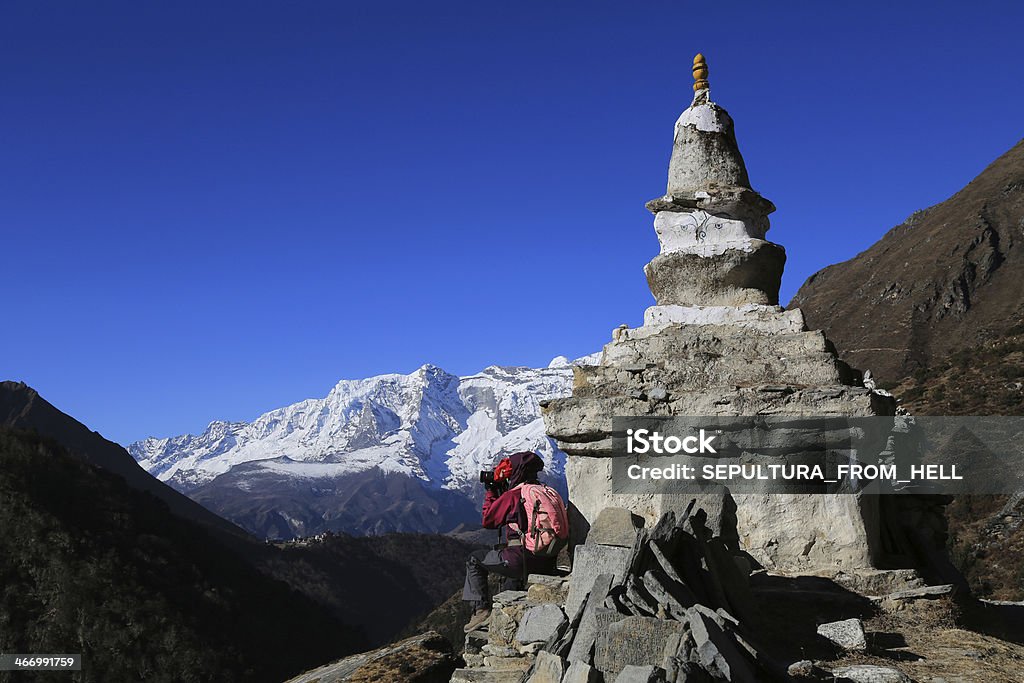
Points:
x=588, y=563
x=638, y=641
x=615, y=526
x=866, y=673
x=519, y=664
x=508, y=597
x=540, y=623
x=847, y=634
x=591, y=622
x=926, y=593
x=543, y=588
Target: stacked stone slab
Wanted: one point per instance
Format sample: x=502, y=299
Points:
x=672, y=607
x=718, y=344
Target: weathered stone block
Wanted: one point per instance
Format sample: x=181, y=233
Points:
x=615, y=526
x=548, y=668
x=718, y=276
x=589, y=561
x=578, y=672
x=540, y=623
x=636, y=641
x=505, y=620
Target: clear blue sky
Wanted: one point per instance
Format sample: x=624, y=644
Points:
x=212, y=209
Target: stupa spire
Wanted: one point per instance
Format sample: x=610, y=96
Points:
x=700, y=73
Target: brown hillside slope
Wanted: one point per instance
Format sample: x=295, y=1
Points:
x=950, y=277
x=937, y=314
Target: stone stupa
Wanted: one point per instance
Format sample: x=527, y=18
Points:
x=718, y=344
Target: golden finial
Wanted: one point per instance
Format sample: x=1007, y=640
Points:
x=700, y=73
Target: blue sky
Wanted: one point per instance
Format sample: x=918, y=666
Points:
x=209, y=210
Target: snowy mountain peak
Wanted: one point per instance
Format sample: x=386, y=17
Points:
x=429, y=425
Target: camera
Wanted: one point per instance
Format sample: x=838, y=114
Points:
x=487, y=477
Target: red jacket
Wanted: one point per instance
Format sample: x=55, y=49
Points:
x=500, y=510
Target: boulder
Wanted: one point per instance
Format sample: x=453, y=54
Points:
x=847, y=634
x=540, y=623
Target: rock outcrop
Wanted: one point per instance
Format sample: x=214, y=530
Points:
x=717, y=344
x=426, y=658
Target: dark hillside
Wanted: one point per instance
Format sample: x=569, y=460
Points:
x=381, y=583
x=91, y=565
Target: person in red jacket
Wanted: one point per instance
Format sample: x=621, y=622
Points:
x=510, y=560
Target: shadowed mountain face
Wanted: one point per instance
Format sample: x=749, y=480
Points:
x=951, y=277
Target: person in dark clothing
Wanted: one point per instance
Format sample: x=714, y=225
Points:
x=510, y=560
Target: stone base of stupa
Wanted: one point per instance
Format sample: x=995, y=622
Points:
x=723, y=361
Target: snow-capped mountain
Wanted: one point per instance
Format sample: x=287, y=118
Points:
x=389, y=453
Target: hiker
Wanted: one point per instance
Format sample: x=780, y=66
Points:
x=532, y=536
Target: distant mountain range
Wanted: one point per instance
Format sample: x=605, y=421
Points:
x=388, y=453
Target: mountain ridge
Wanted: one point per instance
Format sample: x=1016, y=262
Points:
x=338, y=463
x=906, y=301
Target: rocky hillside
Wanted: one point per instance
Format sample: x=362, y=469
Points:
x=950, y=278
x=938, y=316
x=392, y=453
